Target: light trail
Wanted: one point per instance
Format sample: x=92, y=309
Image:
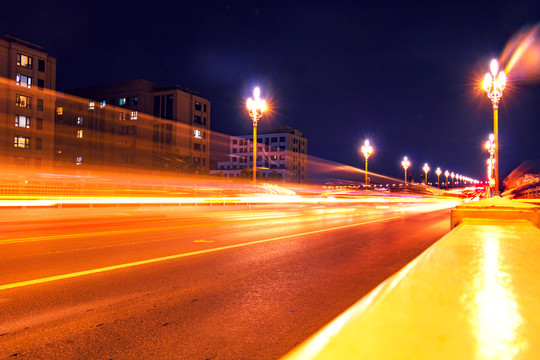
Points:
x=178, y=256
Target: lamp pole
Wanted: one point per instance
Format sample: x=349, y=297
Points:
x=438, y=172
x=256, y=108
x=367, y=150
x=494, y=84
x=490, y=147
x=452, y=175
x=446, y=173
x=405, y=163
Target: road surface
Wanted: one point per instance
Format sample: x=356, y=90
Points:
x=195, y=283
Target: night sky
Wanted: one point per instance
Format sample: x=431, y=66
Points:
x=403, y=74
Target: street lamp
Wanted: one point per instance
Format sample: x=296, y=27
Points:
x=438, y=172
x=256, y=108
x=367, y=150
x=446, y=173
x=426, y=170
x=452, y=175
x=490, y=147
x=494, y=85
x=405, y=163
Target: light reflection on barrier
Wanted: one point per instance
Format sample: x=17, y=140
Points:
x=495, y=316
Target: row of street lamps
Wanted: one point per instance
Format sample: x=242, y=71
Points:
x=494, y=84
x=367, y=150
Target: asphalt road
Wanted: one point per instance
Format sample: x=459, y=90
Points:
x=195, y=283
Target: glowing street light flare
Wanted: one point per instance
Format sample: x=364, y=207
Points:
x=452, y=175
x=446, y=173
x=367, y=150
x=256, y=108
x=494, y=84
x=405, y=163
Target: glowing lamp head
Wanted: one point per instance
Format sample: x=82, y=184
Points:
x=367, y=149
x=256, y=106
x=426, y=167
x=500, y=82
x=488, y=81
x=405, y=163
x=438, y=171
x=446, y=173
x=494, y=67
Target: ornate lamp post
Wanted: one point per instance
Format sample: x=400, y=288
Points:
x=367, y=150
x=405, y=163
x=452, y=175
x=438, y=172
x=256, y=108
x=446, y=173
x=426, y=170
x=494, y=84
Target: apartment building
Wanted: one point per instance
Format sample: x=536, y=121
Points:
x=281, y=154
x=134, y=123
x=27, y=103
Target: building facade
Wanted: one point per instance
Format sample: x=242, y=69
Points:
x=134, y=123
x=281, y=154
x=27, y=103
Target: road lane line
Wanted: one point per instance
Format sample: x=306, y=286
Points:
x=177, y=256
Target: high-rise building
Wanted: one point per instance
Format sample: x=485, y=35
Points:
x=281, y=154
x=27, y=103
x=134, y=123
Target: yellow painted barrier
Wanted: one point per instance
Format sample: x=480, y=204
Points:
x=475, y=294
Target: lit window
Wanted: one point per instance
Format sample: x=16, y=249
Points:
x=25, y=61
x=24, y=80
x=91, y=105
x=22, y=121
x=79, y=134
x=79, y=160
x=22, y=142
x=79, y=120
x=122, y=101
x=197, y=133
x=102, y=104
x=59, y=110
x=23, y=101
x=134, y=115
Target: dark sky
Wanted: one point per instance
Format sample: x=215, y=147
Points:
x=402, y=73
